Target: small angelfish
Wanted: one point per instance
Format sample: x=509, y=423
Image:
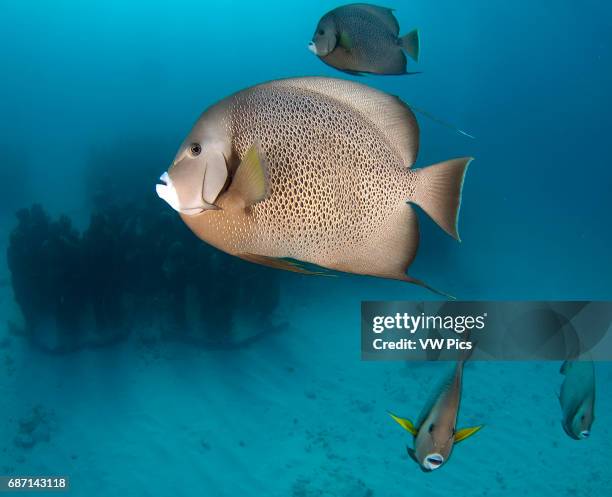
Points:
x=435, y=433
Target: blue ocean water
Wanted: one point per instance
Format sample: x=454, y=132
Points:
x=97, y=97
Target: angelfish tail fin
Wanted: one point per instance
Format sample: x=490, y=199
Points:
x=411, y=44
x=438, y=192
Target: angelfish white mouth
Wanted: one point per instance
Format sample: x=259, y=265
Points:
x=312, y=47
x=167, y=192
x=585, y=434
x=433, y=461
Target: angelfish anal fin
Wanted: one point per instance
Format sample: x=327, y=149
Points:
x=404, y=423
x=466, y=433
x=250, y=182
x=278, y=263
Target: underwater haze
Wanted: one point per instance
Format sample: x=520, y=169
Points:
x=137, y=361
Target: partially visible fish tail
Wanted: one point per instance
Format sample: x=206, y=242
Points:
x=465, y=354
x=411, y=44
x=438, y=192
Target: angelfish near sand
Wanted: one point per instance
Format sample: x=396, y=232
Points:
x=364, y=38
x=577, y=398
x=435, y=432
x=314, y=170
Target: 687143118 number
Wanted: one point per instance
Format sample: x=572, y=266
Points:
x=33, y=483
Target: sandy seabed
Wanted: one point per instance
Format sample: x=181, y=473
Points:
x=296, y=414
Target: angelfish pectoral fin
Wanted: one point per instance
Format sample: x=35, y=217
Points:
x=404, y=423
x=344, y=40
x=466, y=433
x=250, y=183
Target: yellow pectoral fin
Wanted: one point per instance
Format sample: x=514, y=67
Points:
x=250, y=183
x=404, y=423
x=466, y=433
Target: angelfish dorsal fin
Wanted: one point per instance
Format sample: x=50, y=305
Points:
x=404, y=423
x=392, y=117
x=383, y=14
x=250, y=183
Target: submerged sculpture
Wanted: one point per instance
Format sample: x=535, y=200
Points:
x=125, y=274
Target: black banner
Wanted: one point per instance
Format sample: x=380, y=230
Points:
x=481, y=330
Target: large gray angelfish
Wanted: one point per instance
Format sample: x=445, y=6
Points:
x=317, y=170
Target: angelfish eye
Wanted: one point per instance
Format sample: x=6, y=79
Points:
x=431, y=428
x=195, y=149
x=321, y=32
